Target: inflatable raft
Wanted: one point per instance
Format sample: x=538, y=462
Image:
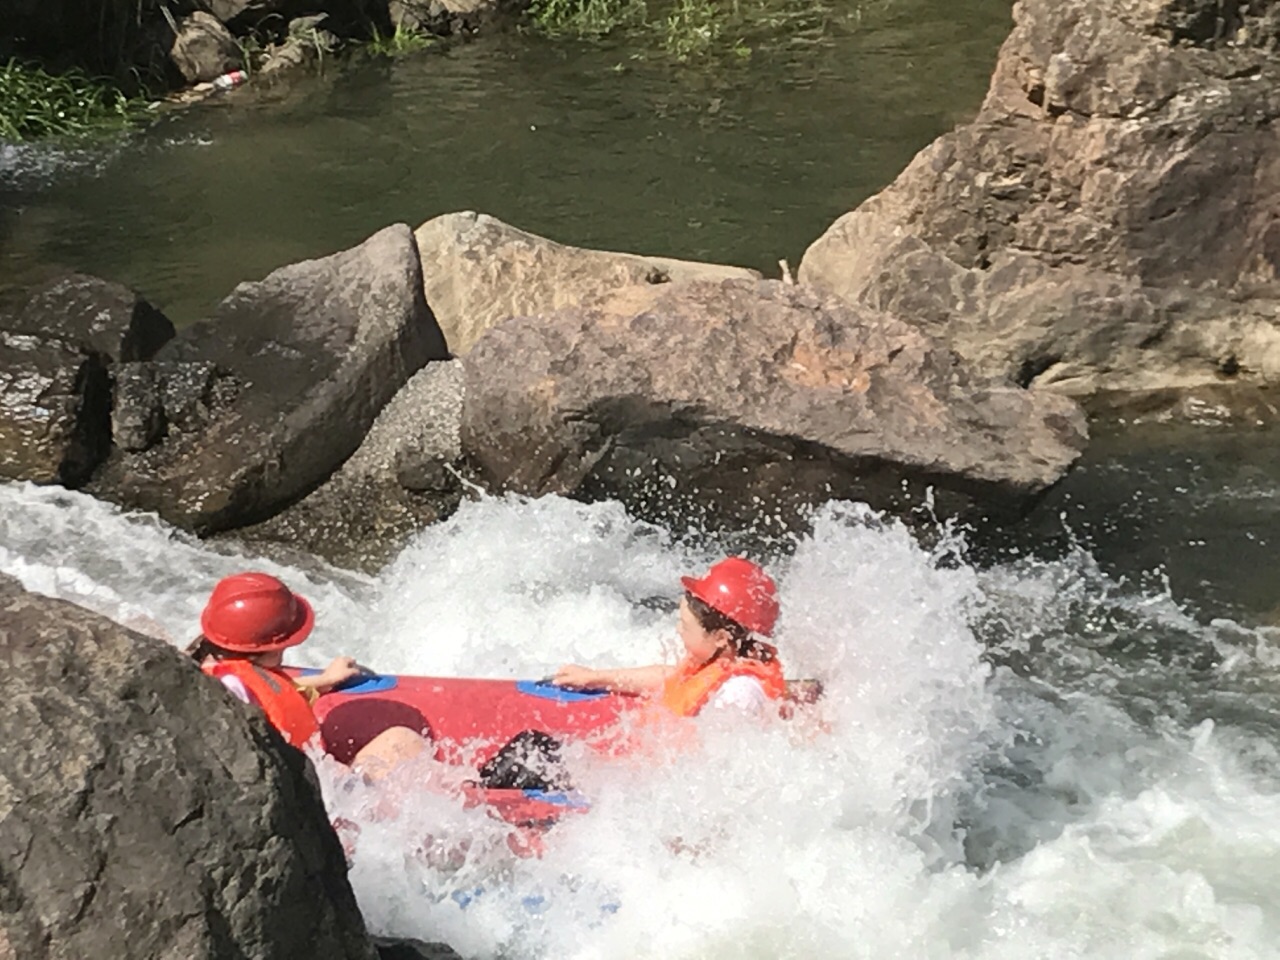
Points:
x=507, y=731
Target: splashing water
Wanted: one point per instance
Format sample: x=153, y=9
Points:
x=1030, y=760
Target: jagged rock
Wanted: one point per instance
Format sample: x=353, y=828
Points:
x=278, y=388
x=392, y=948
x=746, y=393
x=203, y=49
x=442, y=17
x=479, y=271
x=137, y=412
x=98, y=315
x=55, y=410
x=1107, y=221
x=144, y=813
x=404, y=476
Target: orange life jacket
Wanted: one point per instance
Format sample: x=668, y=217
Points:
x=285, y=705
x=687, y=690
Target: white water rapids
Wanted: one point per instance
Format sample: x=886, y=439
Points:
x=1117, y=795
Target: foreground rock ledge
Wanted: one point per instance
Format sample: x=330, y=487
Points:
x=1108, y=221
x=741, y=394
x=145, y=814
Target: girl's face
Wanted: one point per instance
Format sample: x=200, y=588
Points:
x=701, y=644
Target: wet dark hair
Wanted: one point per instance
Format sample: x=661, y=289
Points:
x=744, y=644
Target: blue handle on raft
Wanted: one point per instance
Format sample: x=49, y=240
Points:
x=574, y=801
x=365, y=683
x=549, y=691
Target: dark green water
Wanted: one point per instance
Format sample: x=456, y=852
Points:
x=741, y=162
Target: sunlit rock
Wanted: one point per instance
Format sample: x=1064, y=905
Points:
x=743, y=394
x=1107, y=222
x=304, y=361
x=479, y=271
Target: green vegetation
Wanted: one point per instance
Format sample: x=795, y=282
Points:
x=36, y=105
x=586, y=18
x=692, y=29
x=403, y=41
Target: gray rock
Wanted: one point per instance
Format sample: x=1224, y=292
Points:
x=480, y=271
x=55, y=410
x=203, y=49
x=304, y=361
x=748, y=393
x=137, y=411
x=98, y=315
x=393, y=948
x=1100, y=226
x=145, y=813
x=443, y=17
x=404, y=476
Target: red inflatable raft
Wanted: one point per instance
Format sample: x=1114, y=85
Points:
x=471, y=723
x=486, y=724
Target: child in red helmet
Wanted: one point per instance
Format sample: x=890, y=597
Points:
x=723, y=616
x=247, y=624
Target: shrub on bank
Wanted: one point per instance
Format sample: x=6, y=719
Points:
x=690, y=29
x=35, y=104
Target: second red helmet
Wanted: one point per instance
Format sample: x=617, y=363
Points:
x=255, y=613
x=741, y=590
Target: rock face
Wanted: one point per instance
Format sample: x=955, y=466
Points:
x=100, y=316
x=58, y=347
x=144, y=813
x=1109, y=220
x=404, y=476
x=744, y=393
x=55, y=413
x=480, y=271
x=263, y=401
x=204, y=49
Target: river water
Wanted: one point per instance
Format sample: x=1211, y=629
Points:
x=1060, y=745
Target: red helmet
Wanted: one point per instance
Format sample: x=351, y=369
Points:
x=742, y=591
x=255, y=613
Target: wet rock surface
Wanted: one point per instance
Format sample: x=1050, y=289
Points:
x=145, y=813
x=55, y=414
x=1107, y=222
x=744, y=394
x=406, y=475
x=58, y=345
x=264, y=400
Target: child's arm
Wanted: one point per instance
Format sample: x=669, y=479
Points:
x=633, y=680
x=339, y=671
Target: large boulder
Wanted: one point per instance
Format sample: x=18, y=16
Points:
x=144, y=813
x=480, y=271
x=404, y=476
x=55, y=411
x=58, y=346
x=264, y=400
x=100, y=316
x=1107, y=222
x=740, y=394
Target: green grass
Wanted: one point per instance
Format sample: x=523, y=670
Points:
x=586, y=18
x=402, y=41
x=687, y=30
x=36, y=105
